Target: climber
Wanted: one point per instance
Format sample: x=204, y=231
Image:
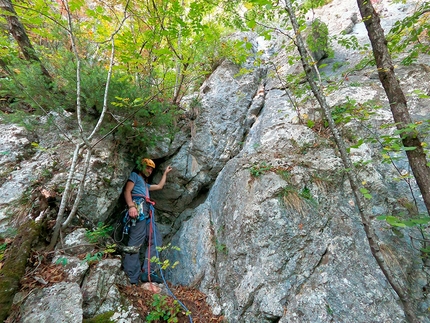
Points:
x=142, y=229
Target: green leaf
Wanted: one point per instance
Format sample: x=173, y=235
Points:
x=395, y=223
x=359, y=143
x=423, y=220
x=75, y=5
x=251, y=23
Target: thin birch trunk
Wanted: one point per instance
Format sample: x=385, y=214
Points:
x=85, y=143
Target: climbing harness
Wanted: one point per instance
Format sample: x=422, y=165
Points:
x=139, y=200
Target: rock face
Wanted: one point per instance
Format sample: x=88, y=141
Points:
x=258, y=200
x=43, y=305
x=279, y=239
x=31, y=157
x=216, y=135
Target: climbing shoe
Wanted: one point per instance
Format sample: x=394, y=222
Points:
x=153, y=278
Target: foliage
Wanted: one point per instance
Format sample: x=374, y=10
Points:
x=419, y=221
x=165, y=264
x=164, y=51
x=98, y=236
x=291, y=199
x=392, y=143
x=27, y=87
x=365, y=193
x=99, y=233
x=351, y=42
x=401, y=222
x=307, y=195
x=283, y=173
x=352, y=110
x=163, y=310
x=221, y=247
x=410, y=35
x=297, y=200
x=91, y=258
x=313, y=4
x=61, y=261
x=149, y=124
x=318, y=38
x=257, y=170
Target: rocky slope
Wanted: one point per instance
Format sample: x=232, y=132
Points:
x=258, y=201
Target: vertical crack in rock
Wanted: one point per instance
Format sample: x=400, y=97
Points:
x=250, y=300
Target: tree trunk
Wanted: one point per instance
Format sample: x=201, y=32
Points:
x=17, y=30
x=365, y=218
x=399, y=109
x=15, y=264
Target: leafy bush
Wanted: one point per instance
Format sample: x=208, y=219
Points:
x=163, y=310
x=318, y=40
x=148, y=125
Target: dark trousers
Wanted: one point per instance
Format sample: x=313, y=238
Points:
x=139, y=235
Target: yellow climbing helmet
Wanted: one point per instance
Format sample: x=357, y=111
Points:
x=148, y=162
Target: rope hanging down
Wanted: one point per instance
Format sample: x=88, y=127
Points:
x=151, y=226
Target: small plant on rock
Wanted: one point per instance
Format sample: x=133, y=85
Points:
x=165, y=264
x=98, y=234
x=259, y=169
x=163, y=310
x=92, y=258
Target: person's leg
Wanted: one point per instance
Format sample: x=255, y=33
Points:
x=132, y=265
x=153, y=243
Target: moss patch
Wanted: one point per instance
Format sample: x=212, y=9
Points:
x=101, y=318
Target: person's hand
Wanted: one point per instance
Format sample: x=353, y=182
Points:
x=132, y=212
x=168, y=169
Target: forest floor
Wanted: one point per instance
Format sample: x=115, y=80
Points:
x=150, y=300
x=149, y=305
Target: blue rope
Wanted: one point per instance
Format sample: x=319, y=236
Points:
x=159, y=267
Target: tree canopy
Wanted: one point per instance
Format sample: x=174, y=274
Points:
x=163, y=49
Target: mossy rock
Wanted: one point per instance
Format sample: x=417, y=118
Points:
x=101, y=318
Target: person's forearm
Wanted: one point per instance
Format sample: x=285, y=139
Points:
x=160, y=184
x=162, y=181
x=128, y=199
x=127, y=194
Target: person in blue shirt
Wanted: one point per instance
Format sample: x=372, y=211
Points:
x=143, y=229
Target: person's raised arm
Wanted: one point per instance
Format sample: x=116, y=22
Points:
x=161, y=183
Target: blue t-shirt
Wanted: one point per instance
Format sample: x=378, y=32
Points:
x=140, y=188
